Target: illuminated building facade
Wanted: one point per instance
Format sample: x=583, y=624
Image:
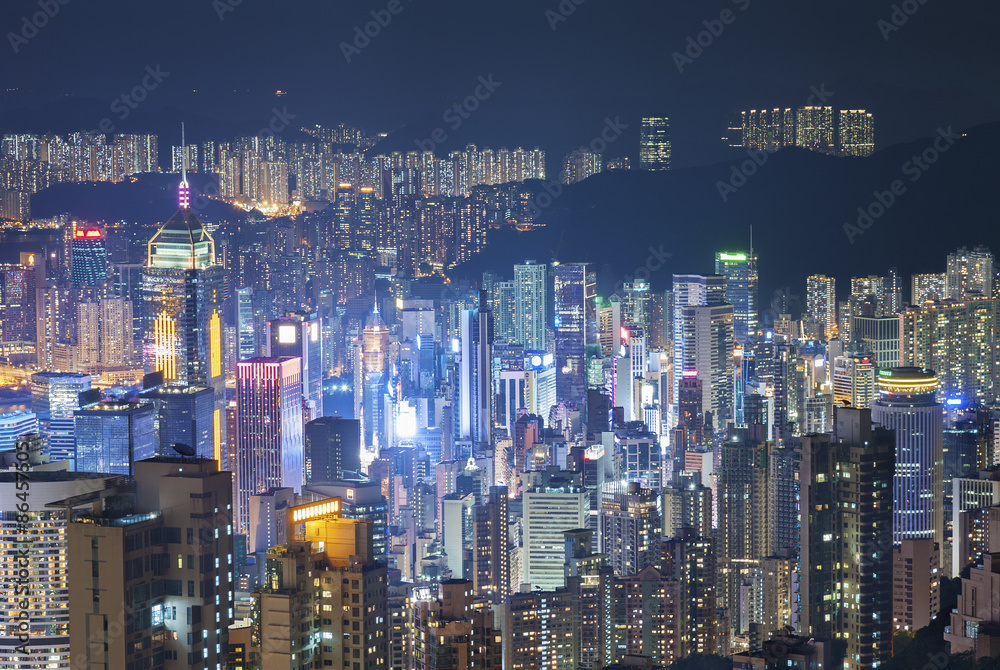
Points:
x=183, y=286
x=654, y=143
x=821, y=304
x=299, y=335
x=530, y=305
x=854, y=380
x=184, y=415
x=846, y=593
x=740, y=272
x=452, y=631
x=269, y=449
x=111, y=436
x=630, y=528
x=55, y=396
x=814, y=128
x=856, y=131
x=573, y=286
x=88, y=256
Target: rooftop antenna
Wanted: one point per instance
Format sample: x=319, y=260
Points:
x=184, y=190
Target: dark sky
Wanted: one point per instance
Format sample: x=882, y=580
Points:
x=556, y=86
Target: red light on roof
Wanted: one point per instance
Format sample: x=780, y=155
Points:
x=88, y=233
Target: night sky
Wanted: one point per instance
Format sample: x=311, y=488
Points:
x=556, y=86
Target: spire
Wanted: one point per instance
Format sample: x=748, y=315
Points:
x=376, y=304
x=184, y=191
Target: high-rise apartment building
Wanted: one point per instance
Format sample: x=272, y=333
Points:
x=821, y=304
x=654, y=143
x=856, y=132
x=814, y=128
x=269, y=439
x=630, y=529
x=150, y=569
x=530, y=304
x=452, y=631
x=324, y=600
x=924, y=287
x=969, y=274
x=846, y=591
x=580, y=164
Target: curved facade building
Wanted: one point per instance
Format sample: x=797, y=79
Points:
x=907, y=404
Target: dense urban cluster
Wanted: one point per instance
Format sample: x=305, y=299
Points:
x=294, y=439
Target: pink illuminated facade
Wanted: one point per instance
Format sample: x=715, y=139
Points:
x=269, y=451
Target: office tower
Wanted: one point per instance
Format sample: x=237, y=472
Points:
x=844, y=586
x=54, y=398
x=854, y=380
x=740, y=272
x=245, y=324
x=703, y=342
x=530, y=304
x=630, y=528
x=176, y=519
x=183, y=289
x=15, y=424
x=635, y=306
x=686, y=504
x=553, y=501
x=47, y=641
x=368, y=384
x=184, y=415
x=269, y=440
x=540, y=630
x=452, y=631
x=332, y=448
x=971, y=497
x=969, y=273
x=116, y=322
x=88, y=256
x=580, y=164
x=907, y=405
x=631, y=372
x=973, y=622
x=814, y=128
x=638, y=455
x=491, y=547
x=476, y=388
x=572, y=288
x=927, y=287
x=916, y=584
x=325, y=582
x=299, y=335
x=878, y=335
x=111, y=436
x=744, y=513
x=18, y=283
x=955, y=339
x=654, y=143
x=359, y=499
x=856, y=132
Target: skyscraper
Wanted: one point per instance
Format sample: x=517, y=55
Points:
x=332, y=447
x=111, y=436
x=906, y=405
x=476, y=385
x=299, y=335
x=572, y=288
x=821, y=304
x=654, y=143
x=530, y=304
x=184, y=415
x=54, y=398
x=554, y=501
x=630, y=529
x=740, y=272
x=846, y=592
x=183, y=285
x=88, y=256
x=269, y=441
